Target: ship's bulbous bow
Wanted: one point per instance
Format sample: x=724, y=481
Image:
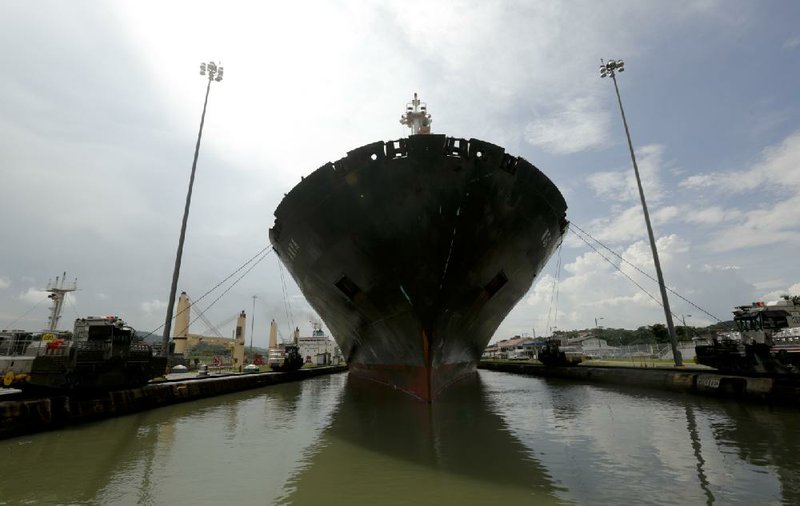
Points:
x=414, y=251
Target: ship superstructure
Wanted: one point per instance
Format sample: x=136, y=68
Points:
x=768, y=340
x=413, y=251
x=102, y=353
x=58, y=292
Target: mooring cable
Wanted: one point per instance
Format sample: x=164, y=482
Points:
x=572, y=224
x=245, y=264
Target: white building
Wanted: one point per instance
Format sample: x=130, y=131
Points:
x=319, y=349
x=588, y=343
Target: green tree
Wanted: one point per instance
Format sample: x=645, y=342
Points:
x=660, y=332
x=642, y=335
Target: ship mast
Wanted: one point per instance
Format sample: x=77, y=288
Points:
x=58, y=291
x=417, y=117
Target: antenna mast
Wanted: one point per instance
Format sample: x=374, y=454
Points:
x=58, y=291
x=417, y=117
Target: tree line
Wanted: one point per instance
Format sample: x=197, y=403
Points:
x=648, y=334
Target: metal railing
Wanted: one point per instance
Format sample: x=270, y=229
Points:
x=658, y=351
x=34, y=346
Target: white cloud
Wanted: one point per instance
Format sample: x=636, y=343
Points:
x=620, y=185
x=608, y=184
x=4, y=282
x=772, y=220
x=772, y=225
x=792, y=42
x=665, y=215
x=776, y=168
x=579, y=124
x=712, y=268
x=779, y=163
x=776, y=294
x=33, y=295
x=767, y=285
x=711, y=215
x=542, y=290
x=628, y=224
x=154, y=306
x=640, y=254
x=591, y=287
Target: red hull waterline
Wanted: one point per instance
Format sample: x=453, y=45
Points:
x=424, y=383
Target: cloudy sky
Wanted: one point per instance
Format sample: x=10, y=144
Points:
x=100, y=104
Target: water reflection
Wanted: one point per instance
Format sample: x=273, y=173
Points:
x=767, y=439
x=382, y=446
x=502, y=438
x=239, y=445
x=651, y=447
x=691, y=426
x=68, y=467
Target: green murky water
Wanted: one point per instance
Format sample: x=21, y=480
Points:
x=501, y=438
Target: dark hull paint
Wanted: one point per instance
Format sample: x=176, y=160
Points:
x=414, y=251
x=59, y=373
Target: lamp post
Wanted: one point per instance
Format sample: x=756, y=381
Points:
x=252, y=328
x=597, y=329
x=610, y=69
x=214, y=73
x=683, y=319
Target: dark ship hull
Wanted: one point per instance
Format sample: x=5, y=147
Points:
x=414, y=251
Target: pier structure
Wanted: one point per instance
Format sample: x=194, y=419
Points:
x=181, y=332
x=767, y=388
x=273, y=336
x=25, y=415
x=238, y=347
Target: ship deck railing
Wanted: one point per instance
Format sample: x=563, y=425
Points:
x=35, y=346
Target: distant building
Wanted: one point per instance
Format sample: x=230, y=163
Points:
x=588, y=343
x=516, y=347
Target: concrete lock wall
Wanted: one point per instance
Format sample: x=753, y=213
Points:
x=35, y=415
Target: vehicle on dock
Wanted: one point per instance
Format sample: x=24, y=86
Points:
x=102, y=353
x=286, y=358
x=768, y=340
x=552, y=354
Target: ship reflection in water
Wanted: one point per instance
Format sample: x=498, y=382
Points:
x=386, y=447
x=335, y=440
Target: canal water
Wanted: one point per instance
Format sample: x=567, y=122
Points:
x=500, y=439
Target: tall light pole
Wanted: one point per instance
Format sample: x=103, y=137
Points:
x=214, y=73
x=595, y=321
x=252, y=328
x=610, y=69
